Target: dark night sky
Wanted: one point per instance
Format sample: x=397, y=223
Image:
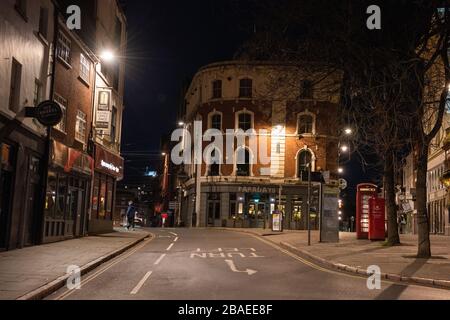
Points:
x=168, y=41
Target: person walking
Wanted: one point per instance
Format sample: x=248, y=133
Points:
x=131, y=212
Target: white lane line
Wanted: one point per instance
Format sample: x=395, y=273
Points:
x=141, y=283
x=160, y=259
x=173, y=233
x=175, y=239
x=170, y=247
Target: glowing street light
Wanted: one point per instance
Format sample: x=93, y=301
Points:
x=348, y=131
x=340, y=170
x=107, y=56
x=344, y=148
x=180, y=123
x=163, y=154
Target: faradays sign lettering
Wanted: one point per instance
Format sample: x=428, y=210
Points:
x=109, y=166
x=257, y=190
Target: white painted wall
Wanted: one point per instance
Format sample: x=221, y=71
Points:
x=19, y=39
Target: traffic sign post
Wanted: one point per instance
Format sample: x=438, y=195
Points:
x=342, y=184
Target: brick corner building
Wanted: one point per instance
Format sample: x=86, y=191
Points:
x=297, y=106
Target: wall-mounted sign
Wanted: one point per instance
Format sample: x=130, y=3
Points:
x=103, y=119
x=257, y=190
x=104, y=98
x=48, y=113
x=108, y=162
x=277, y=223
x=109, y=166
x=103, y=111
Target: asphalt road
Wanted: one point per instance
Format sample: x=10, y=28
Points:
x=205, y=264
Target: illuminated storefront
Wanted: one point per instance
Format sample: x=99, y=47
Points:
x=68, y=190
x=108, y=170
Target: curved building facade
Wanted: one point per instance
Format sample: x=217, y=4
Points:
x=290, y=115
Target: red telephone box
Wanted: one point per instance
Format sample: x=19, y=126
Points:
x=376, y=219
x=365, y=192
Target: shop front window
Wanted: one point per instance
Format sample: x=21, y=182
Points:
x=50, y=200
x=297, y=204
x=61, y=197
x=109, y=198
x=95, y=191
x=102, y=198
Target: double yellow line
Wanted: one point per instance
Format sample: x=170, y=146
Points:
x=317, y=267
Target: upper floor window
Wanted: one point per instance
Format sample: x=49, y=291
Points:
x=214, y=167
x=245, y=121
x=243, y=163
x=217, y=89
x=304, y=159
x=307, y=89
x=37, y=95
x=63, y=104
x=63, y=48
x=113, y=124
x=216, y=121
x=246, y=88
x=80, y=127
x=15, y=85
x=21, y=7
x=43, y=22
x=85, y=68
x=305, y=124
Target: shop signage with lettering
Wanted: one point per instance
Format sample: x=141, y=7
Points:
x=256, y=189
x=108, y=162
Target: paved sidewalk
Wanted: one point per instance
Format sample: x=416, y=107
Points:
x=25, y=270
x=398, y=262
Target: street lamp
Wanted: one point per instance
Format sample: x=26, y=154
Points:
x=348, y=131
x=180, y=123
x=344, y=148
x=107, y=56
x=340, y=170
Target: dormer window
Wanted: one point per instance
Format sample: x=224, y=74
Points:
x=246, y=88
x=217, y=89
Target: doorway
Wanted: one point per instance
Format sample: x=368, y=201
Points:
x=75, y=219
x=213, y=213
x=31, y=218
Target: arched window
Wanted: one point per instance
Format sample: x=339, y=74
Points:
x=216, y=121
x=214, y=167
x=304, y=158
x=243, y=163
x=305, y=124
x=245, y=121
x=245, y=88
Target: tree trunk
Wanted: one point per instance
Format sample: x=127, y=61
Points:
x=424, y=248
x=389, y=185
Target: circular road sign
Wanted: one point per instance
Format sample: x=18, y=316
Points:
x=49, y=113
x=342, y=184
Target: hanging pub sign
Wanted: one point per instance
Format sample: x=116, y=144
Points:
x=103, y=112
x=48, y=113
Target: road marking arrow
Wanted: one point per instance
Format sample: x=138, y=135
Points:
x=233, y=268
